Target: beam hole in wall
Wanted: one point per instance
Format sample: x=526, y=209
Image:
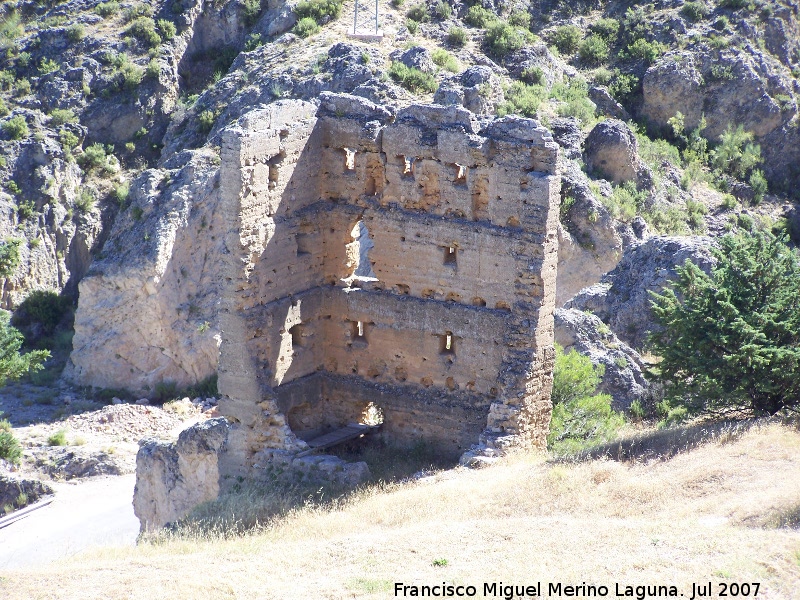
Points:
x=453, y=297
x=478, y=301
x=349, y=159
x=359, y=332
x=450, y=255
x=303, y=244
x=447, y=344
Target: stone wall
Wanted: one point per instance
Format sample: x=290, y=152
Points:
x=450, y=335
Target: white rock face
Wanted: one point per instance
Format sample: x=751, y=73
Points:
x=173, y=478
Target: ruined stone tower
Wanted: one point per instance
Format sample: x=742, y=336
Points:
x=445, y=323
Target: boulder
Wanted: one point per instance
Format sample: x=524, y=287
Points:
x=174, y=477
x=18, y=492
x=478, y=89
x=622, y=299
x=611, y=150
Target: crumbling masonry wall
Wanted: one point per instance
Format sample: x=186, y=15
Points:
x=452, y=337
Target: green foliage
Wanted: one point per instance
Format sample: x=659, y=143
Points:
x=520, y=18
x=456, y=37
x=93, y=157
x=59, y=438
x=26, y=209
x=644, y=50
x=4, y=110
x=637, y=24
x=305, y=27
x=736, y=154
x=720, y=72
x=477, y=16
x=207, y=119
x=16, y=127
x=533, y=75
x=106, y=9
x=694, y=11
x=522, y=99
x=68, y=140
x=132, y=75
x=121, y=193
x=253, y=41
x=623, y=86
x=625, y=201
x=144, y=29
x=503, y=39
x=412, y=26
x=581, y=418
x=445, y=60
x=153, y=69
x=59, y=116
x=593, y=50
x=14, y=365
x=250, y=10
x=9, y=256
x=137, y=10
x=566, y=38
x=44, y=310
x=442, y=10
x=759, y=184
x=574, y=96
x=419, y=13
x=318, y=10
x=76, y=32
x=731, y=340
x=166, y=28
x=22, y=87
x=412, y=79
x=606, y=28
x=10, y=448
x=10, y=30
x=85, y=201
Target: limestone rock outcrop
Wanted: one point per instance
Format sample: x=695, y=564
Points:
x=621, y=299
x=612, y=151
x=172, y=478
x=623, y=379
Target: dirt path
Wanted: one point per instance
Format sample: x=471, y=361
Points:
x=97, y=512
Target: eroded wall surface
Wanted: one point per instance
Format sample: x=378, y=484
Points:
x=454, y=333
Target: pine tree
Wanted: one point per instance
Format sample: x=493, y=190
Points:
x=13, y=364
x=731, y=340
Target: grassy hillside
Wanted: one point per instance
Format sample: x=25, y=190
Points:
x=727, y=511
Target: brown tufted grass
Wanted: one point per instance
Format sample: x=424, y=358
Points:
x=726, y=510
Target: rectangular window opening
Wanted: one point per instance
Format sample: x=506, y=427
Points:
x=408, y=166
x=447, y=343
x=359, y=332
x=349, y=159
x=450, y=254
x=297, y=335
x=303, y=243
x=461, y=174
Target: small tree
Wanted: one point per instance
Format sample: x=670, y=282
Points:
x=731, y=340
x=14, y=365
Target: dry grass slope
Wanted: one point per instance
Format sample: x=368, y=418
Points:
x=724, y=511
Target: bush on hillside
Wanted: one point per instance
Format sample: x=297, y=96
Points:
x=412, y=79
x=14, y=365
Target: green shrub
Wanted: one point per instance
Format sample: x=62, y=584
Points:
x=637, y=23
x=166, y=28
x=305, y=27
x=137, y=10
x=14, y=365
x=503, y=39
x=48, y=65
x=412, y=26
x=121, y=193
x=85, y=200
x=106, y=9
x=533, y=75
x=7, y=80
x=445, y=60
x=59, y=438
x=625, y=201
x=593, y=50
x=522, y=99
x=412, y=79
x=581, y=418
x=694, y=215
x=59, y=116
x=16, y=127
x=3, y=109
x=477, y=16
x=736, y=154
x=42, y=308
x=319, y=10
x=144, y=29
x=26, y=209
x=23, y=60
x=93, y=157
x=443, y=10
x=694, y=11
x=720, y=72
x=10, y=449
x=22, y=87
x=520, y=18
x=253, y=41
x=642, y=49
x=68, y=140
x=9, y=256
x=206, y=120
x=722, y=23
x=419, y=13
x=153, y=69
x=606, y=28
x=574, y=94
x=759, y=184
x=566, y=38
x=76, y=32
x=132, y=75
x=456, y=37
x=251, y=9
